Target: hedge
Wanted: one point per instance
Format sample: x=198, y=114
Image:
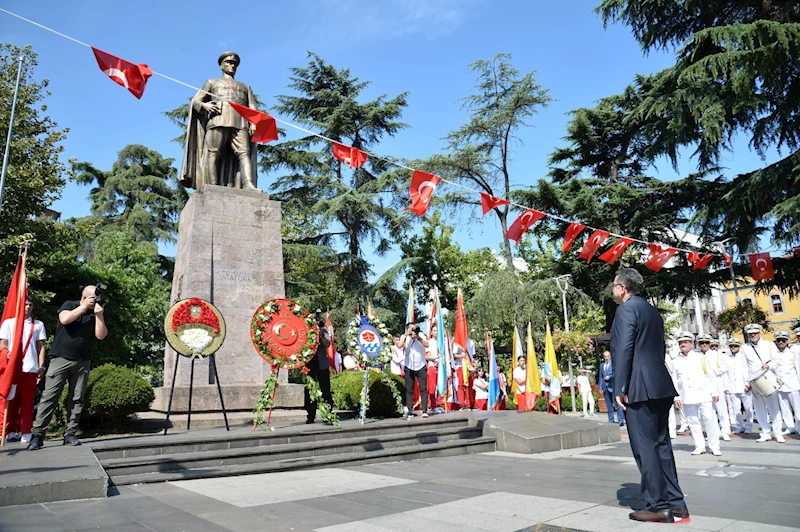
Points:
x=112, y=394
x=347, y=385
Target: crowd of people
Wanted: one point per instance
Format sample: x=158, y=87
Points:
x=722, y=390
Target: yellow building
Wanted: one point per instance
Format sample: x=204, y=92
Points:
x=782, y=311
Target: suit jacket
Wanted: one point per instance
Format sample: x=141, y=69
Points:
x=606, y=384
x=638, y=350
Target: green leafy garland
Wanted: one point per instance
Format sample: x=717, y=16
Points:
x=325, y=410
x=352, y=342
x=265, y=400
x=395, y=393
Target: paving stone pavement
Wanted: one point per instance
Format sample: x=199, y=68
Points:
x=752, y=487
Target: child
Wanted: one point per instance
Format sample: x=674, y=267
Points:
x=585, y=388
x=481, y=388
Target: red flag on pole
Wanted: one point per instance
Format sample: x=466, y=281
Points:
x=615, y=252
x=761, y=266
x=573, y=231
x=701, y=263
x=266, y=127
x=422, y=186
x=353, y=157
x=14, y=309
x=593, y=244
x=131, y=76
x=522, y=224
x=461, y=335
x=489, y=202
x=659, y=256
x=331, y=349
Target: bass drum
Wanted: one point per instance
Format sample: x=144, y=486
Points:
x=766, y=382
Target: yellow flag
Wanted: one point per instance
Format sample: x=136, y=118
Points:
x=516, y=351
x=550, y=355
x=534, y=379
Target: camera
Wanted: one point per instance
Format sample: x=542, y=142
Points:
x=416, y=329
x=98, y=292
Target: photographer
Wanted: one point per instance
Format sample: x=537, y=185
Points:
x=319, y=369
x=415, y=367
x=80, y=323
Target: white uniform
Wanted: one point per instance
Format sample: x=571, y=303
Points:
x=756, y=356
x=716, y=365
x=673, y=432
x=735, y=381
x=697, y=386
x=585, y=388
x=789, y=392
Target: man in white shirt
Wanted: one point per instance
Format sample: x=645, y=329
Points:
x=697, y=389
x=398, y=356
x=710, y=348
x=735, y=385
x=520, y=376
x=585, y=389
x=20, y=408
x=787, y=372
x=758, y=354
x=415, y=367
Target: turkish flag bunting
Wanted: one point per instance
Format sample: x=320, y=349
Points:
x=422, y=186
x=11, y=364
x=489, y=202
x=349, y=155
x=573, y=231
x=701, y=263
x=593, y=244
x=266, y=127
x=614, y=252
x=692, y=257
x=727, y=259
x=659, y=256
x=131, y=76
x=522, y=224
x=761, y=266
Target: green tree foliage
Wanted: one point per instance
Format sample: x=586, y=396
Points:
x=479, y=152
x=140, y=194
x=735, y=75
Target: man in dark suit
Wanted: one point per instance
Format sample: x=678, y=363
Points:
x=606, y=381
x=644, y=389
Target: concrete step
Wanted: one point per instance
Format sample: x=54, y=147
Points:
x=189, y=442
x=182, y=461
x=412, y=452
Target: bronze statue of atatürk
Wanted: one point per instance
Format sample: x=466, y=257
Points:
x=219, y=147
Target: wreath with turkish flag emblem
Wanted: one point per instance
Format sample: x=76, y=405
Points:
x=284, y=333
x=369, y=341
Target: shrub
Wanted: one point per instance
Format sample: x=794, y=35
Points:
x=112, y=394
x=346, y=389
x=566, y=403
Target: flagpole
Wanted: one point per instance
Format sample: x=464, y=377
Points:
x=563, y=291
x=10, y=129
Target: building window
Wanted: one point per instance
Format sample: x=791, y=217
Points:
x=777, y=303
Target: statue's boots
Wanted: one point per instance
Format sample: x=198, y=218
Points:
x=248, y=185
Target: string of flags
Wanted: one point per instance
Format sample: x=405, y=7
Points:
x=134, y=78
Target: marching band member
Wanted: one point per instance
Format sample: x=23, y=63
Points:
x=697, y=388
x=787, y=372
x=758, y=354
x=735, y=383
x=710, y=348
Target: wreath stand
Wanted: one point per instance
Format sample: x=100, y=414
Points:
x=213, y=362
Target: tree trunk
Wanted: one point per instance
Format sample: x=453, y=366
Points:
x=509, y=255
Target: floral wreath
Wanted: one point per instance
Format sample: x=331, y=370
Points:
x=266, y=333
x=366, y=325
x=194, y=328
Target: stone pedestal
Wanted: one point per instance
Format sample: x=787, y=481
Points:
x=229, y=253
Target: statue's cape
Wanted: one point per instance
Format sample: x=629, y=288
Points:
x=193, y=167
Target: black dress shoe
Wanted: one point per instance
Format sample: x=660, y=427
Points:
x=309, y=421
x=37, y=442
x=662, y=516
x=680, y=513
x=71, y=439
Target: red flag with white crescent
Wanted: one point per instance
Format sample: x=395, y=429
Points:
x=422, y=186
x=701, y=263
x=593, y=244
x=573, y=231
x=615, y=252
x=266, y=126
x=727, y=259
x=489, y=202
x=11, y=364
x=353, y=157
x=761, y=266
x=130, y=75
x=522, y=224
x=659, y=256
x=692, y=257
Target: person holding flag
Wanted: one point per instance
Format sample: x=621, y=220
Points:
x=494, y=377
x=519, y=374
x=20, y=413
x=533, y=385
x=552, y=377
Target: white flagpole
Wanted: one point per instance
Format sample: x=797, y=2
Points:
x=10, y=128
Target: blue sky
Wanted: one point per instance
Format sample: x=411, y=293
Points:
x=420, y=46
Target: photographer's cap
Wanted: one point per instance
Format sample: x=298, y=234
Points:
x=753, y=328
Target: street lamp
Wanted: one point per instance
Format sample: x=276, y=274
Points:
x=563, y=289
x=722, y=244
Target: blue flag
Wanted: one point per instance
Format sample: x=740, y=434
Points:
x=494, y=377
x=441, y=377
